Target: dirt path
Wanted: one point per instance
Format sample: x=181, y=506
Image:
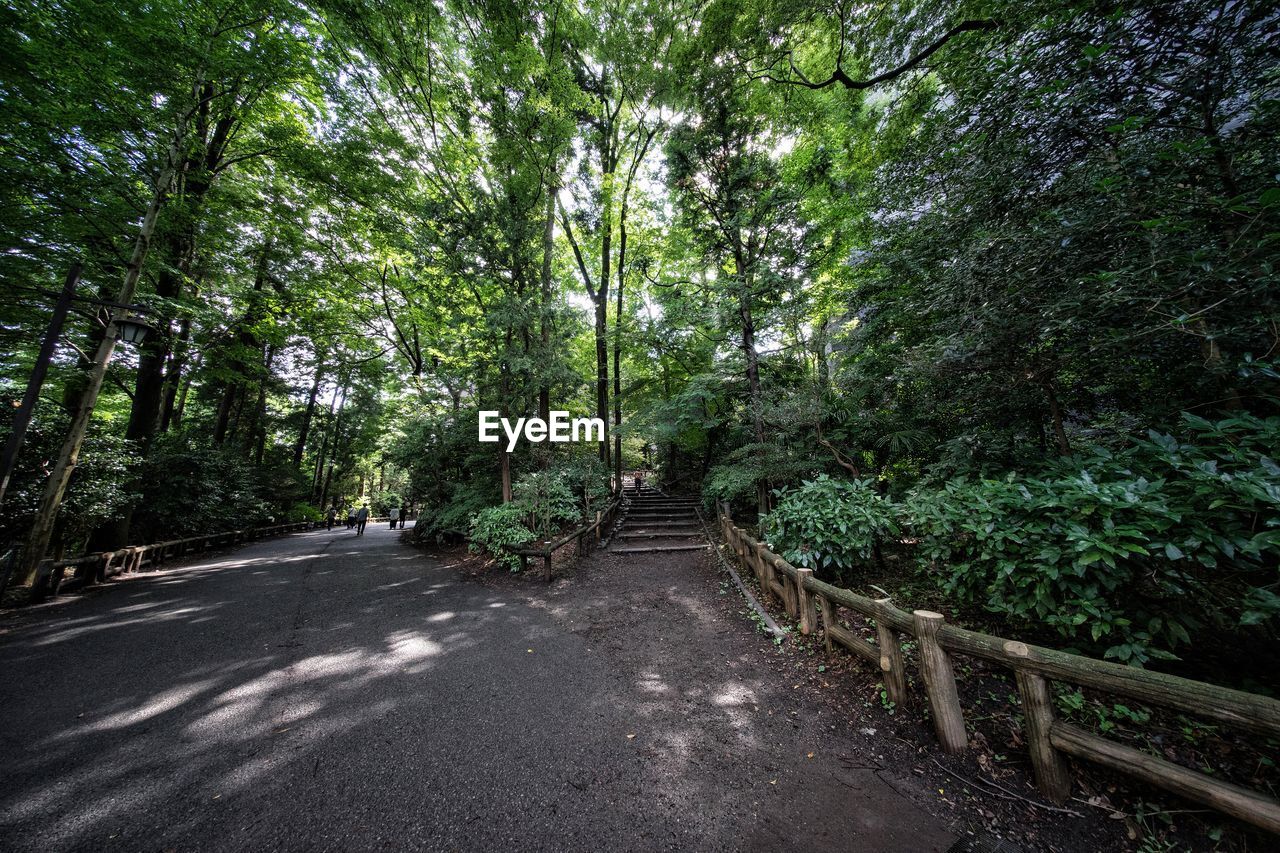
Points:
x=723, y=737
x=323, y=692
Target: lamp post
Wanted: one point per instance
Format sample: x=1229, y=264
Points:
x=123, y=324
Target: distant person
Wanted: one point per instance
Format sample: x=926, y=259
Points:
x=362, y=518
x=404, y=515
x=331, y=518
x=351, y=517
x=395, y=516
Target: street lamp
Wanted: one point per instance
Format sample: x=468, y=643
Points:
x=131, y=329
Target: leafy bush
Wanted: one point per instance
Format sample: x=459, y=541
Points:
x=453, y=518
x=546, y=499
x=191, y=489
x=303, y=512
x=383, y=502
x=1131, y=548
x=499, y=528
x=831, y=526
x=736, y=478
x=95, y=494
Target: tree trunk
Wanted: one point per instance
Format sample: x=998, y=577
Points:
x=258, y=433
x=1055, y=418
x=169, y=414
x=223, y=420
x=548, y=248
x=617, y=345
x=325, y=443
x=300, y=445
x=753, y=384
x=608, y=163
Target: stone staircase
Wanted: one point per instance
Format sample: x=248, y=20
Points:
x=653, y=522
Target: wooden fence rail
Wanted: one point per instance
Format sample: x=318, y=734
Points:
x=1049, y=739
x=581, y=535
x=98, y=566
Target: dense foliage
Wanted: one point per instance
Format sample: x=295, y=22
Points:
x=1131, y=551
x=1001, y=301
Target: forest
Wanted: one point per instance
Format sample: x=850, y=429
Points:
x=978, y=297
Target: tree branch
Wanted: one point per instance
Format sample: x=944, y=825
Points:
x=839, y=75
x=841, y=460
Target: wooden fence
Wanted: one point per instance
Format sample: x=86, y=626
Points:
x=581, y=535
x=1049, y=739
x=100, y=565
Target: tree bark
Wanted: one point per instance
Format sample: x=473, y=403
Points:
x=300, y=445
x=169, y=413
x=1055, y=418
x=753, y=379
x=617, y=345
x=548, y=248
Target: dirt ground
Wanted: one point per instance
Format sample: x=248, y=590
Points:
x=683, y=610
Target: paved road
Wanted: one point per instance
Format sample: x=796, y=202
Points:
x=323, y=692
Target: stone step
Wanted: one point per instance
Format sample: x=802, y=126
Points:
x=656, y=549
x=657, y=534
x=691, y=523
x=687, y=510
x=671, y=501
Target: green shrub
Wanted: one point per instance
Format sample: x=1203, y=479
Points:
x=736, y=478
x=833, y=527
x=545, y=497
x=499, y=528
x=1133, y=550
x=190, y=489
x=385, y=501
x=303, y=512
x=99, y=488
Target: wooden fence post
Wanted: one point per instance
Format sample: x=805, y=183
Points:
x=599, y=524
x=546, y=567
x=940, y=683
x=803, y=604
x=895, y=673
x=828, y=619
x=1052, y=775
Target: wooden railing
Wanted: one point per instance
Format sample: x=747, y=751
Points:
x=100, y=565
x=580, y=535
x=1049, y=739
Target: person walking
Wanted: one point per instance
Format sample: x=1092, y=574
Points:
x=404, y=515
x=395, y=516
x=362, y=518
x=331, y=518
x=351, y=517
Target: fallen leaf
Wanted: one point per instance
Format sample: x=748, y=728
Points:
x=530, y=651
x=631, y=737
x=811, y=755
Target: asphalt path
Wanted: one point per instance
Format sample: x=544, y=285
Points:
x=326, y=692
